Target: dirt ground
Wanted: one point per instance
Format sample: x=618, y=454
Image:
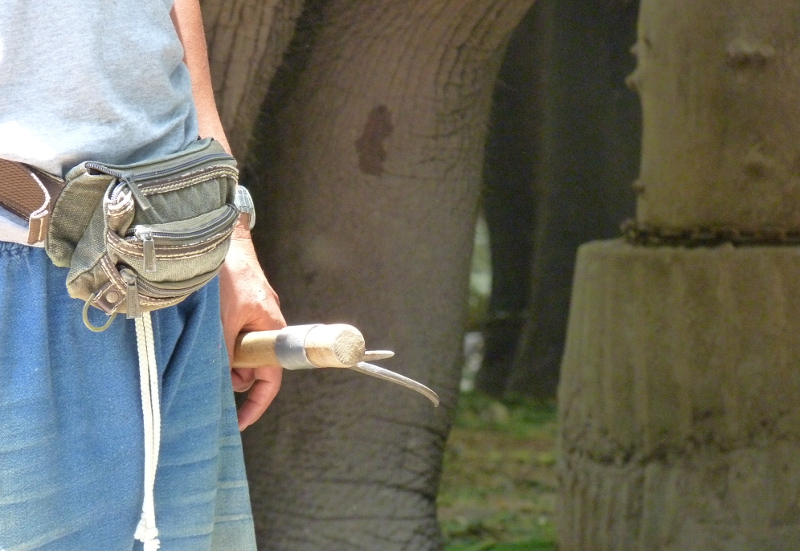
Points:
x=498, y=485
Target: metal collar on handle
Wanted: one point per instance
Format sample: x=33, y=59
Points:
x=290, y=347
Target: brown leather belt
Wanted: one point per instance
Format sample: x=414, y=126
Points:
x=31, y=194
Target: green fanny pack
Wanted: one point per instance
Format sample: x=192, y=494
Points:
x=144, y=236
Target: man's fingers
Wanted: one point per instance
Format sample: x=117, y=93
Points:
x=248, y=303
x=262, y=392
x=242, y=379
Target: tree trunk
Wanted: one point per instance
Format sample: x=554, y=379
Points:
x=680, y=393
x=570, y=136
x=367, y=177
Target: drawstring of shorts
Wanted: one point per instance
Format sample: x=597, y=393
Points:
x=146, y=531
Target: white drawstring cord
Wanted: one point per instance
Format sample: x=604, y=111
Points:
x=146, y=531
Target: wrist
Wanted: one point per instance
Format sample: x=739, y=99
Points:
x=242, y=228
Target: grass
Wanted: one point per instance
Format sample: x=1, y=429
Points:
x=498, y=483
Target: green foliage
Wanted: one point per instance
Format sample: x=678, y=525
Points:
x=498, y=484
x=522, y=417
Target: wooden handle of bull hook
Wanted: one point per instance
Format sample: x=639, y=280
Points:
x=334, y=345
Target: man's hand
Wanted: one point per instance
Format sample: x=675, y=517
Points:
x=248, y=303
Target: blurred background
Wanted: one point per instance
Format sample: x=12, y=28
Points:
x=561, y=156
x=498, y=485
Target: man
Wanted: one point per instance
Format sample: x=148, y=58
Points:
x=117, y=81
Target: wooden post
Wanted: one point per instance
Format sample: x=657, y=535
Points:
x=680, y=391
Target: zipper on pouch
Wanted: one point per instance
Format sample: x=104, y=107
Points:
x=145, y=235
x=149, y=236
x=157, y=173
x=136, y=287
x=155, y=291
x=134, y=183
x=132, y=305
x=129, y=181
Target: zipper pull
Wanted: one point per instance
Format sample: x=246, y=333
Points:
x=145, y=235
x=138, y=195
x=134, y=309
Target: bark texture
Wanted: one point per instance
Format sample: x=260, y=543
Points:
x=368, y=180
x=680, y=393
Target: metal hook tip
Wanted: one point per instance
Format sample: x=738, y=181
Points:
x=392, y=377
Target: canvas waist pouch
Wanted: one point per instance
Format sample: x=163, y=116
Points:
x=144, y=236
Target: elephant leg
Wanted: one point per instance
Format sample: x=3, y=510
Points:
x=246, y=43
x=370, y=196
x=585, y=134
x=508, y=207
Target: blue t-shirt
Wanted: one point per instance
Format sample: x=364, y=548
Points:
x=91, y=79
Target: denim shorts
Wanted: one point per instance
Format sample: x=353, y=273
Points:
x=71, y=432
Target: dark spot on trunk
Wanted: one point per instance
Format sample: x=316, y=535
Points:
x=371, y=153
